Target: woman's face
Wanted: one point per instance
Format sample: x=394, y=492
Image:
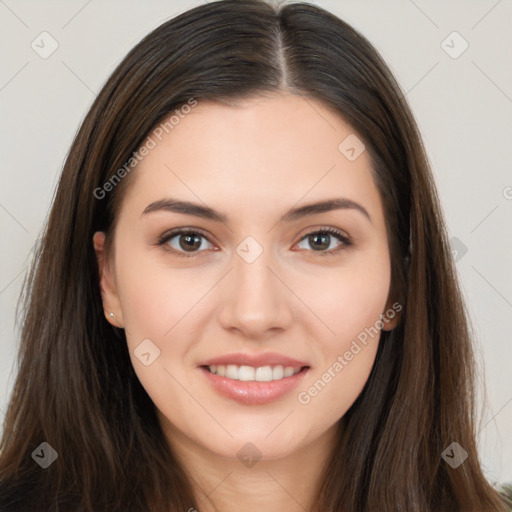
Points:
x=258, y=284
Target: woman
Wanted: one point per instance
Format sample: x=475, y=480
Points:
x=244, y=297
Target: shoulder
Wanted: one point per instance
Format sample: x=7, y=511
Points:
x=506, y=491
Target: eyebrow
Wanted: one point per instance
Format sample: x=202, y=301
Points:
x=198, y=210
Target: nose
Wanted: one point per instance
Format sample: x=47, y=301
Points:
x=256, y=300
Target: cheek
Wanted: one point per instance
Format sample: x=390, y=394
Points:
x=158, y=305
x=333, y=390
x=346, y=362
x=351, y=306
x=350, y=299
x=155, y=298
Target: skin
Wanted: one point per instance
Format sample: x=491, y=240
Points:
x=253, y=162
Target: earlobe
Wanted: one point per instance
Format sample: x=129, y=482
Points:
x=391, y=316
x=108, y=289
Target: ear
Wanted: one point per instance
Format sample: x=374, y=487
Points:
x=111, y=303
x=391, y=315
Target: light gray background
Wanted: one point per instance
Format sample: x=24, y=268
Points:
x=463, y=106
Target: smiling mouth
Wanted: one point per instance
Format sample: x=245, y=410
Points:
x=254, y=374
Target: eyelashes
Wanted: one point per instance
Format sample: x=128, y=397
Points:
x=191, y=233
x=194, y=235
x=344, y=240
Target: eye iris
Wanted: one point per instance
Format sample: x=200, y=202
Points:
x=192, y=241
x=322, y=237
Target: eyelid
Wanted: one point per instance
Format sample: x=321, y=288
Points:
x=344, y=239
x=182, y=230
x=326, y=229
x=172, y=233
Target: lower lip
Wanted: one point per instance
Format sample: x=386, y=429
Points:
x=254, y=392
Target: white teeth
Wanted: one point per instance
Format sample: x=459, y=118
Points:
x=232, y=371
x=288, y=371
x=278, y=372
x=246, y=373
x=249, y=373
x=264, y=374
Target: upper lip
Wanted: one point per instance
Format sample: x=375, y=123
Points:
x=255, y=360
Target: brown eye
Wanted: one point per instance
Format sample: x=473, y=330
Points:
x=185, y=241
x=189, y=241
x=320, y=241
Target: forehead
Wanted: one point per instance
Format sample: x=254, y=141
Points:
x=259, y=152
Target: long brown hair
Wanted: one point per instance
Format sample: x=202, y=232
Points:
x=76, y=388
